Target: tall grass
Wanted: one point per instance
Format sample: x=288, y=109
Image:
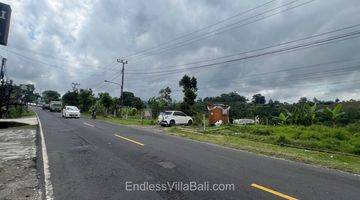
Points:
x=341, y=139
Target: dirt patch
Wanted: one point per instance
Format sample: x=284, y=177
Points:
x=18, y=173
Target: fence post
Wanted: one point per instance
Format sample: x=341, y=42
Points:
x=204, y=122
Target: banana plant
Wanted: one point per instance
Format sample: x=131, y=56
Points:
x=311, y=113
x=334, y=114
x=282, y=118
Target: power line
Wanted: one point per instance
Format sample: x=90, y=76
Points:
x=214, y=32
x=286, y=49
x=308, y=45
x=201, y=29
x=41, y=62
x=342, y=70
x=260, y=49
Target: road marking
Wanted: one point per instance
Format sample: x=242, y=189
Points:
x=48, y=185
x=89, y=124
x=130, y=140
x=273, y=192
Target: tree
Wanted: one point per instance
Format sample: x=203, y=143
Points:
x=106, y=101
x=189, y=89
x=71, y=98
x=154, y=104
x=334, y=114
x=165, y=95
x=302, y=100
x=50, y=95
x=137, y=103
x=258, y=99
x=128, y=98
x=86, y=99
x=226, y=98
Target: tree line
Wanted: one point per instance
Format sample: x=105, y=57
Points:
x=304, y=112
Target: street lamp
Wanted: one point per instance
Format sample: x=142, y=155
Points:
x=106, y=81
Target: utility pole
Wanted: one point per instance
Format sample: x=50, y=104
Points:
x=123, y=62
x=74, y=86
x=2, y=87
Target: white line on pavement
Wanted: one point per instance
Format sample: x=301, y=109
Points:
x=48, y=186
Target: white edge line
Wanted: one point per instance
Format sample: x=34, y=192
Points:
x=48, y=185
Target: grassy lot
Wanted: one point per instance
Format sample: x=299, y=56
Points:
x=341, y=139
x=332, y=160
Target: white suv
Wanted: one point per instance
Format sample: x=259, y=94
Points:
x=169, y=118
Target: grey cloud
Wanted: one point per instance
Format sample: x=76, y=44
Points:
x=97, y=32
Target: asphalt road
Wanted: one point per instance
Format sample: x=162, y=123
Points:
x=91, y=159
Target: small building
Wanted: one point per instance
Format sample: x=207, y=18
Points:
x=218, y=112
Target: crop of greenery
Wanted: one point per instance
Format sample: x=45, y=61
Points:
x=19, y=111
x=340, y=139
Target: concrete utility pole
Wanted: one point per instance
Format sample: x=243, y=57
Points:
x=74, y=86
x=123, y=62
x=2, y=71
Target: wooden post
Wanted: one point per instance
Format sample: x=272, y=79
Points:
x=204, y=122
x=141, y=115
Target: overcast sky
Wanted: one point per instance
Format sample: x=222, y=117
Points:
x=54, y=43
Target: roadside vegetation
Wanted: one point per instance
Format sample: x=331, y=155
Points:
x=20, y=111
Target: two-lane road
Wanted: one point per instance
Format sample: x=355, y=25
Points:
x=91, y=159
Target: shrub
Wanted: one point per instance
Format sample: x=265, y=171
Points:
x=18, y=111
x=354, y=128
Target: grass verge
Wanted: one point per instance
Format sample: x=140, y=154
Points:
x=335, y=161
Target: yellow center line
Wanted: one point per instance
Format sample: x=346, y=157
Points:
x=89, y=124
x=130, y=140
x=273, y=192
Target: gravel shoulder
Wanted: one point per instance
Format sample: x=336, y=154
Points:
x=18, y=167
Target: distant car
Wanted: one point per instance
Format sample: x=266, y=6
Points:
x=170, y=118
x=45, y=106
x=70, y=111
x=55, y=106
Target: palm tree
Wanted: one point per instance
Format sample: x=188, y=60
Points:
x=334, y=114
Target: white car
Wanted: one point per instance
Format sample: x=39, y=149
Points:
x=70, y=111
x=170, y=118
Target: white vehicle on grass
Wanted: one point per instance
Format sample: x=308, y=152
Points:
x=170, y=118
x=70, y=111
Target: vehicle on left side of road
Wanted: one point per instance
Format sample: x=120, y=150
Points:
x=55, y=106
x=70, y=111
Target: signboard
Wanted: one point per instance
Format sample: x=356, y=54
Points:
x=5, y=13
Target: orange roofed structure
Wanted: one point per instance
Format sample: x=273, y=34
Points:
x=218, y=112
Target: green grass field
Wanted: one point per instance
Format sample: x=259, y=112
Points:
x=318, y=137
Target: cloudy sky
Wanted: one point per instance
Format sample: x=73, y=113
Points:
x=54, y=43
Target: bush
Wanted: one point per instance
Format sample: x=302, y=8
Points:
x=354, y=128
x=18, y=111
